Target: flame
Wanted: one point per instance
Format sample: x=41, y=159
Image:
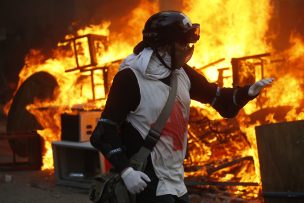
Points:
x=279, y=89
x=229, y=28
x=226, y=34
x=118, y=49
x=75, y=89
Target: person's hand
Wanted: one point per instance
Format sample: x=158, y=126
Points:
x=258, y=86
x=135, y=181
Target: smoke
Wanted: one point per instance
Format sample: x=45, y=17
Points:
x=287, y=19
x=113, y=11
x=117, y=12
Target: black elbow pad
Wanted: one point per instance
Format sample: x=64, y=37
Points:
x=96, y=136
x=105, y=137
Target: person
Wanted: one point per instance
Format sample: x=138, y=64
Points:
x=138, y=93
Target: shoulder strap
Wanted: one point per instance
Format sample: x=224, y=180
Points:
x=138, y=159
x=165, y=113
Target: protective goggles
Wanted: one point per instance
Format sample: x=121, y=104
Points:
x=193, y=34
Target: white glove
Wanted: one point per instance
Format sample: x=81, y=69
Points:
x=135, y=181
x=258, y=86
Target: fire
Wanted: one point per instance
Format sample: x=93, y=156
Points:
x=229, y=29
x=296, y=50
x=235, y=29
x=226, y=34
x=279, y=88
x=75, y=87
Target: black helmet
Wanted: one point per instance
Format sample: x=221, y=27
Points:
x=166, y=28
x=170, y=26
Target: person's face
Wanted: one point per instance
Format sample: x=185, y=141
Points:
x=183, y=53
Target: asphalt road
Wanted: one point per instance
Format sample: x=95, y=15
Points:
x=37, y=187
x=33, y=186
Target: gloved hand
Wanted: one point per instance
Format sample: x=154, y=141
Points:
x=135, y=181
x=258, y=86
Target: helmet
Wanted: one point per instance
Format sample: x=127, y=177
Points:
x=170, y=26
x=166, y=28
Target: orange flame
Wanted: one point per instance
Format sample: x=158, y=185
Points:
x=74, y=87
x=235, y=29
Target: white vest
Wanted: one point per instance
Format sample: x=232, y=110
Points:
x=169, y=153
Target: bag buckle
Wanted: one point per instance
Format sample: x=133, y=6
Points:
x=152, y=138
